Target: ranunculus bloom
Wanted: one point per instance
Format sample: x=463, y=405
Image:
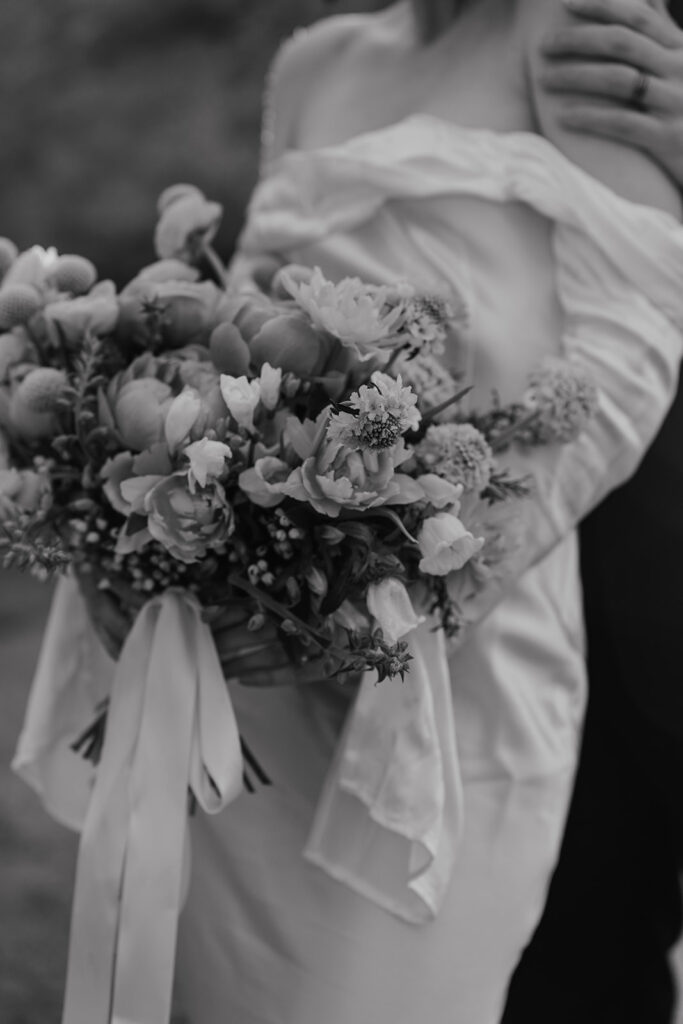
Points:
x=336, y=478
x=207, y=460
x=263, y=483
x=187, y=524
x=140, y=409
x=389, y=603
x=93, y=314
x=446, y=544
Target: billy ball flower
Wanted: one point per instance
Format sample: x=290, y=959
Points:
x=42, y=388
x=458, y=452
x=563, y=399
x=380, y=413
x=18, y=303
x=73, y=274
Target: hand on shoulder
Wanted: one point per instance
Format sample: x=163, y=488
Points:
x=562, y=47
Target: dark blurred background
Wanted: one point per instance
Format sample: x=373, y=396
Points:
x=103, y=103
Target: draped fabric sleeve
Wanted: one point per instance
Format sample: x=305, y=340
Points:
x=619, y=270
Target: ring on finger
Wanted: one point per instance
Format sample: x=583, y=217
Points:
x=639, y=92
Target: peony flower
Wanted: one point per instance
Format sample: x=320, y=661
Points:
x=140, y=410
x=181, y=416
x=207, y=461
x=382, y=412
x=389, y=603
x=187, y=223
x=563, y=398
x=458, y=452
x=179, y=312
x=263, y=483
x=445, y=544
x=241, y=397
x=351, y=310
x=95, y=314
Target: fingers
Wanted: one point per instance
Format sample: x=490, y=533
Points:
x=608, y=80
x=632, y=127
x=608, y=43
x=651, y=22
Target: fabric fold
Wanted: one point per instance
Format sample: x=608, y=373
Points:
x=390, y=816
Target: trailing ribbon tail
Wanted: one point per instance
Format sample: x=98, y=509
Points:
x=171, y=726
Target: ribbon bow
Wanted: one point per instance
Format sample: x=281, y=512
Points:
x=171, y=726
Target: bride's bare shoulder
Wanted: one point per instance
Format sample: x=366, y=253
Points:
x=628, y=171
x=302, y=65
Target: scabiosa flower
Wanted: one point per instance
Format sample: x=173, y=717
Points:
x=354, y=312
x=382, y=412
x=427, y=320
x=458, y=452
x=430, y=380
x=563, y=398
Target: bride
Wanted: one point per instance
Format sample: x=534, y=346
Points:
x=409, y=144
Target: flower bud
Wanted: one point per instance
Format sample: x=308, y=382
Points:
x=173, y=193
x=18, y=303
x=229, y=351
x=289, y=342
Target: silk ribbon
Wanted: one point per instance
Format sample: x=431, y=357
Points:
x=170, y=727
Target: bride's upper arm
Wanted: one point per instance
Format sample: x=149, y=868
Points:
x=631, y=172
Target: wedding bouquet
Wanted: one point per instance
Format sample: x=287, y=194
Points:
x=187, y=443
x=300, y=451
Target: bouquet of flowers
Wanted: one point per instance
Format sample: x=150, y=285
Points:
x=296, y=450
x=300, y=450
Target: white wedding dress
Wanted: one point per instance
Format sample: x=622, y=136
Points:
x=551, y=261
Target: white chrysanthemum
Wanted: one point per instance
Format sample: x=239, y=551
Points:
x=459, y=453
x=355, y=313
x=382, y=412
x=563, y=398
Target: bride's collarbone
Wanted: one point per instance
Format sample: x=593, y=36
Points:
x=367, y=92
